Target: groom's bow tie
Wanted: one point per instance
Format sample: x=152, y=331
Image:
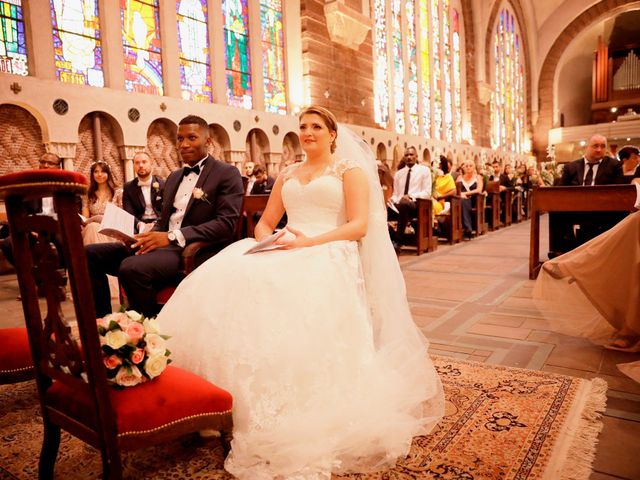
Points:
x=187, y=170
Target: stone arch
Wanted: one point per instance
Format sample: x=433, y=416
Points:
x=257, y=148
x=426, y=157
x=161, y=144
x=521, y=18
x=398, y=153
x=100, y=137
x=381, y=152
x=21, y=144
x=594, y=14
x=291, y=150
x=220, y=147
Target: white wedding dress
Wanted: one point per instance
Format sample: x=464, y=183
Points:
x=317, y=387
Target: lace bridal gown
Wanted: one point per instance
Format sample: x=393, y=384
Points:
x=319, y=384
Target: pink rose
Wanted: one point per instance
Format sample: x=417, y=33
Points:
x=112, y=361
x=138, y=356
x=129, y=376
x=103, y=322
x=122, y=319
x=135, y=331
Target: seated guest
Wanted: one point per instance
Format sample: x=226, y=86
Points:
x=263, y=183
x=249, y=166
x=470, y=184
x=507, y=179
x=42, y=206
x=445, y=186
x=630, y=158
x=534, y=178
x=142, y=196
x=495, y=174
x=386, y=180
x=594, y=168
x=410, y=183
x=102, y=190
x=201, y=203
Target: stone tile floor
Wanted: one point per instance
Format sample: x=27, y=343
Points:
x=473, y=301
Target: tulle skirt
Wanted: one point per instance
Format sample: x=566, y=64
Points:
x=288, y=333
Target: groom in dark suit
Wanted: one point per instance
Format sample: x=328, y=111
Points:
x=142, y=196
x=201, y=202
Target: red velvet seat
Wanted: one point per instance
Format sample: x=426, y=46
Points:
x=16, y=364
x=69, y=371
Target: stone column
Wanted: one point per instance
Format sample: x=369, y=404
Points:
x=39, y=40
x=112, y=51
x=66, y=151
x=272, y=162
x=170, y=50
x=237, y=158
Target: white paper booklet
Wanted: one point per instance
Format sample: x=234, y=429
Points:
x=118, y=223
x=637, y=205
x=268, y=243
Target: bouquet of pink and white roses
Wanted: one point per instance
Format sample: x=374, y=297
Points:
x=133, y=349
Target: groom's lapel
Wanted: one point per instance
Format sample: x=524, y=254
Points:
x=206, y=170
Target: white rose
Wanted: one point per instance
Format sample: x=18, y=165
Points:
x=155, y=365
x=151, y=325
x=128, y=378
x=116, y=339
x=156, y=345
x=133, y=315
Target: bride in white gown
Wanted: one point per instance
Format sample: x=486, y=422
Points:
x=315, y=341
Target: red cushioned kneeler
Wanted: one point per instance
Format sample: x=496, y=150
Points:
x=16, y=364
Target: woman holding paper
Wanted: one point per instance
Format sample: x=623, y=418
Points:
x=102, y=190
x=327, y=369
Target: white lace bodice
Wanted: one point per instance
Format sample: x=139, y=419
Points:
x=319, y=205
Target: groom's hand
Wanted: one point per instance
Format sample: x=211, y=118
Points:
x=149, y=241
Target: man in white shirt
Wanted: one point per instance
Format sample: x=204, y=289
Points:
x=142, y=196
x=201, y=202
x=410, y=183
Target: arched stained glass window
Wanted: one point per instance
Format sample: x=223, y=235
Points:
x=193, y=42
x=236, y=40
x=436, y=26
x=76, y=42
x=141, y=43
x=412, y=80
x=272, y=33
x=457, y=74
x=508, y=98
x=381, y=64
x=13, y=45
x=398, y=65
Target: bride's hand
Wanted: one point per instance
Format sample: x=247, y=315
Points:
x=293, y=238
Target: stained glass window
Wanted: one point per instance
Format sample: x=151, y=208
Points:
x=141, y=43
x=457, y=75
x=412, y=80
x=13, y=45
x=271, y=31
x=508, y=98
x=446, y=65
x=398, y=65
x=425, y=67
x=76, y=42
x=381, y=62
x=236, y=40
x=193, y=42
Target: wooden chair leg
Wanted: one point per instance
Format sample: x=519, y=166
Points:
x=111, y=465
x=49, y=452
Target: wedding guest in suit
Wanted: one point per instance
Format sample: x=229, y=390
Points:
x=102, y=191
x=411, y=182
x=142, y=196
x=249, y=167
x=201, y=203
x=594, y=168
x=263, y=183
x=630, y=158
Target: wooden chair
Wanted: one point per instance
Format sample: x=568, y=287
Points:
x=15, y=356
x=493, y=205
x=70, y=374
x=452, y=221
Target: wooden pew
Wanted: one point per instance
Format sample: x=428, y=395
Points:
x=492, y=207
x=424, y=227
x=599, y=198
x=251, y=205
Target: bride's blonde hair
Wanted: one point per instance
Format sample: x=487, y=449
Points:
x=328, y=118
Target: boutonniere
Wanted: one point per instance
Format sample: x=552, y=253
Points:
x=198, y=194
x=155, y=186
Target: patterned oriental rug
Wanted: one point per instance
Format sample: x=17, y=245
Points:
x=500, y=423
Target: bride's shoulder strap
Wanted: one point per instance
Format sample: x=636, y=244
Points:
x=287, y=172
x=342, y=165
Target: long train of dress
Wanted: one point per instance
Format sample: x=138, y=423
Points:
x=289, y=334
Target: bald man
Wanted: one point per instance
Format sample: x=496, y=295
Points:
x=594, y=168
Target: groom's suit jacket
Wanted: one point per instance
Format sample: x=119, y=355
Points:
x=213, y=217
x=133, y=199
